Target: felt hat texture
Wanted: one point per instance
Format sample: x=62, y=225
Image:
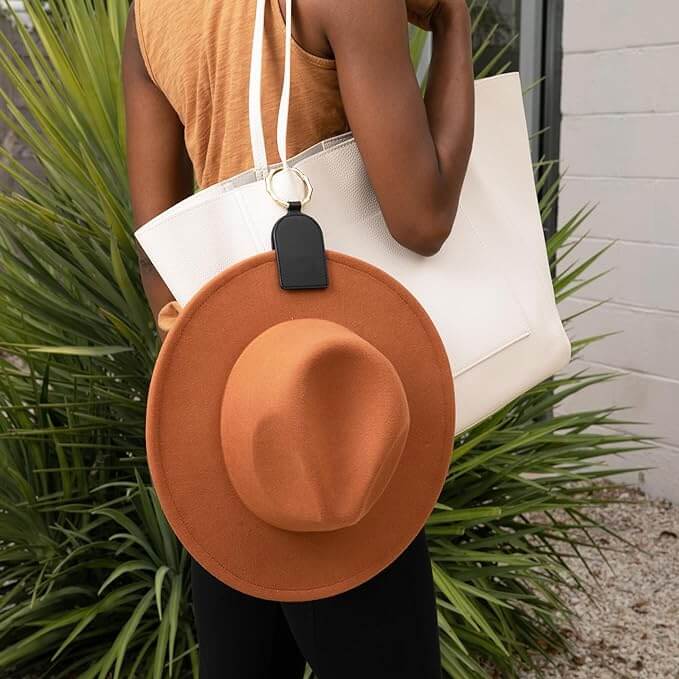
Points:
x=299, y=439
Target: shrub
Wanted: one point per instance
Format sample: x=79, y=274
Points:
x=93, y=582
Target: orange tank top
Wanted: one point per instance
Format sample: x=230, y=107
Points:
x=198, y=53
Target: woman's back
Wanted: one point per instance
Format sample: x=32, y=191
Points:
x=185, y=69
x=198, y=54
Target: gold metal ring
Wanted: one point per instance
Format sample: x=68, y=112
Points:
x=305, y=180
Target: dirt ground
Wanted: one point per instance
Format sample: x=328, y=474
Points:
x=631, y=629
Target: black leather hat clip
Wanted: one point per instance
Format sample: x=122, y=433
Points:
x=300, y=252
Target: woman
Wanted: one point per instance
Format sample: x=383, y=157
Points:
x=185, y=71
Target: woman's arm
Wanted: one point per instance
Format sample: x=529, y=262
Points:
x=415, y=150
x=159, y=170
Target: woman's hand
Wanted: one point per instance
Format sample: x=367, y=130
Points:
x=167, y=316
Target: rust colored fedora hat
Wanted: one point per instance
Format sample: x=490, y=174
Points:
x=299, y=439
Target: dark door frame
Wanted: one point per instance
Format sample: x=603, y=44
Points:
x=541, y=56
x=551, y=92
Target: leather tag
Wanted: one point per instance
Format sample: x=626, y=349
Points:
x=300, y=252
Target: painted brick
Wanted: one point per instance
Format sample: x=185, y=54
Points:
x=19, y=8
x=658, y=480
x=607, y=24
x=10, y=142
x=643, y=210
x=633, y=80
x=644, y=275
x=630, y=145
x=649, y=402
x=646, y=340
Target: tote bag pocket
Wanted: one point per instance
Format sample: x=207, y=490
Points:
x=484, y=314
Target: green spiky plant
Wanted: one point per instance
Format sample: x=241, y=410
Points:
x=93, y=582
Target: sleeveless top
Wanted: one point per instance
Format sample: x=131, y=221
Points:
x=198, y=53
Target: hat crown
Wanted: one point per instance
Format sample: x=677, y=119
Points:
x=313, y=423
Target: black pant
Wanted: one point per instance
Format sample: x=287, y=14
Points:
x=383, y=628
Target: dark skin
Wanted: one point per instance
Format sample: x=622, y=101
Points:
x=415, y=149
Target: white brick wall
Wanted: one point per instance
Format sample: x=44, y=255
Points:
x=620, y=149
x=18, y=7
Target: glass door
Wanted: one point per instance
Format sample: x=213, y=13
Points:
x=525, y=36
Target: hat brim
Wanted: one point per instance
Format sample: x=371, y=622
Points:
x=183, y=428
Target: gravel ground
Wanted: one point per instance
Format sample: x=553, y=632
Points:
x=631, y=628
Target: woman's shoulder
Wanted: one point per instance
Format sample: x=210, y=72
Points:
x=164, y=29
x=157, y=20
x=167, y=9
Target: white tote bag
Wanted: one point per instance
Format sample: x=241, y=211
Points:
x=488, y=290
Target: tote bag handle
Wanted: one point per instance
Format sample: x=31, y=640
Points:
x=255, y=92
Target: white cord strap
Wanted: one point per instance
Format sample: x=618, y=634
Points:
x=282, y=135
x=255, y=90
